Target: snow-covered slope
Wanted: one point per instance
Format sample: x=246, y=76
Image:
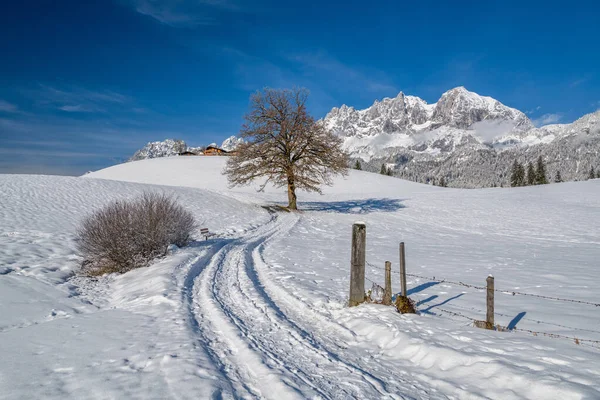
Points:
x=259, y=311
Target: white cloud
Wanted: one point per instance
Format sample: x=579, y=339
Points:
x=78, y=95
x=488, y=130
x=578, y=82
x=184, y=13
x=547, y=119
x=8, y=107
x=533, y=110
x=78, y=108
x=76, y=99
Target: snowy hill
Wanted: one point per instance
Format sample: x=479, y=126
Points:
x=259, y=311
x=468, y=139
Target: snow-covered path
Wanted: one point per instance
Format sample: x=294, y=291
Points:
x=263, y=351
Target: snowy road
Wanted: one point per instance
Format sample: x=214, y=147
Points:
x=265, y=347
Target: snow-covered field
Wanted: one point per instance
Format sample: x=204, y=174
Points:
x=259, y=311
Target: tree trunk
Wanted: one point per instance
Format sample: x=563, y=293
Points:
x=291, y=194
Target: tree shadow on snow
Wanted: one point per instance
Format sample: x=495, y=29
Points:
x=364, y=206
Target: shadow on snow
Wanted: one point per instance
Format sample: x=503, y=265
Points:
x=513, y=324
x=364, y=206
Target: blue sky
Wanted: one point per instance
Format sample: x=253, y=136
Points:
x=84, y=84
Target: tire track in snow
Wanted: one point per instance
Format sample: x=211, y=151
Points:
x=253, y=340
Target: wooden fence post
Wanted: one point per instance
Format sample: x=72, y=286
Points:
x=387, y=296
x=357, y=264
x=489, y=317
x=402, y=271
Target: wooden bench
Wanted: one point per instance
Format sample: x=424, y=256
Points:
x=204, y=232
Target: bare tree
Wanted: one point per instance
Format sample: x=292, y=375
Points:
x=285, y=145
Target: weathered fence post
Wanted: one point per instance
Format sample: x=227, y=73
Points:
x=489, y=317
x=387, y=296
x=357, y=264
x=402, y=271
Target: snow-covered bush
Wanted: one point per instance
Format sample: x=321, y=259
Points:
x=129, y=234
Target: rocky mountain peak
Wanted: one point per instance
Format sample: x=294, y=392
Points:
x=461, y=108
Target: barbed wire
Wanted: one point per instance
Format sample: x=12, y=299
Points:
x=512, y=292
x=537, y=321
x=456, y=314
x=592, y=343
x=374, y=266
x=503, y=291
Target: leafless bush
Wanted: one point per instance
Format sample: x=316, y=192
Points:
x=129, y=234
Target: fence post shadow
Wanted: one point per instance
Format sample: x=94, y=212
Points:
x=513, y=323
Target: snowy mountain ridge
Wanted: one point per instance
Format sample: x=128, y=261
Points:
x=426, y=141
x=459, y=117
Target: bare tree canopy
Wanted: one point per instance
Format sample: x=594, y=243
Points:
x=285, y=145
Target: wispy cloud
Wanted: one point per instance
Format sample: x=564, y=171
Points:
x=63, y=145
x=76, y=94
x=578, y=82
x=7, y=107
x=79, y=109
x=548, y=119
x=333, y=69
x=76, y=99
x=533, y=110
x=183, y=13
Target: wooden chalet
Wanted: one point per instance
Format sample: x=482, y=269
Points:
x=187, y=153
x=215, y=151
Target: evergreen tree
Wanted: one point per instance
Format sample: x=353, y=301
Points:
x=521, y=175
x=531, y=174
x=540, y=173
x=442, y=182
x=383, y=170
x=592, y=173
x=557, y=177
x=390, y=172
x=357, y=165
x=515, y=179
x=598, y=174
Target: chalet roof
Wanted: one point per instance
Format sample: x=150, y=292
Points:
x=216, y=148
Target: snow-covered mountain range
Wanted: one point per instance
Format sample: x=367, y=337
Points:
x=172, y=147
x=468, y=139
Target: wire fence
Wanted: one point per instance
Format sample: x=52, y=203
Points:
x=587, y=342
x=478, y=287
